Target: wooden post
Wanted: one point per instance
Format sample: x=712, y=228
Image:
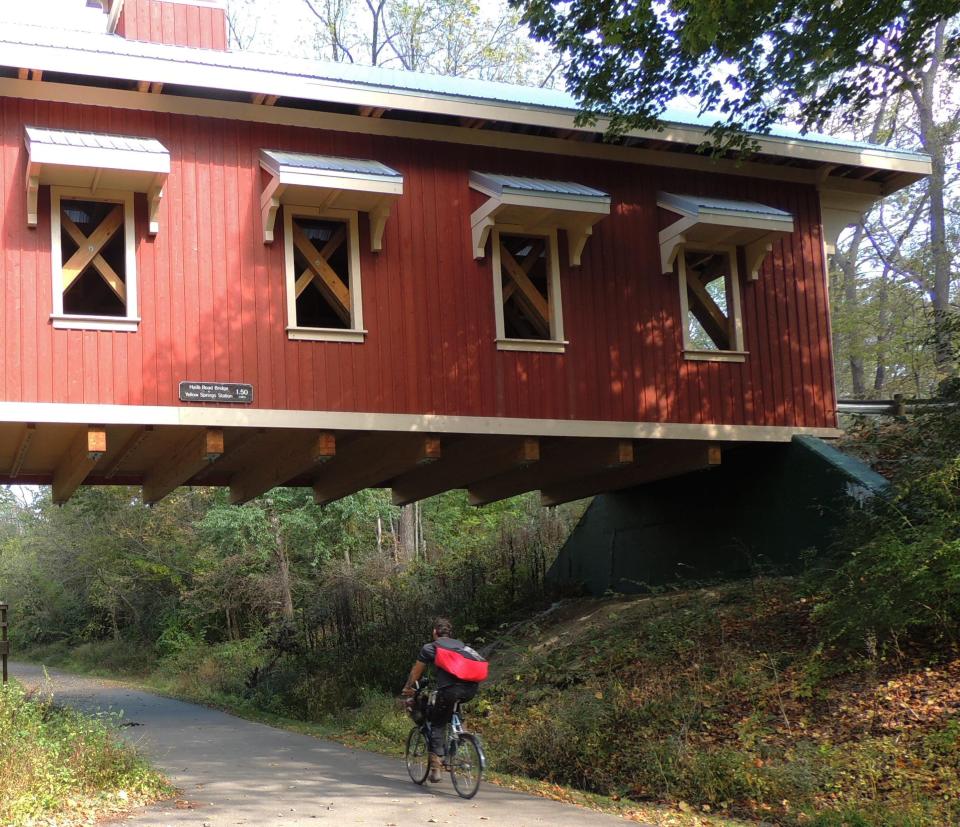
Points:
x=4, y=642
x=899, y=406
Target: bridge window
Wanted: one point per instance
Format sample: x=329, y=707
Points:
x=527, y=291
x=710, y=304
x=94, y=259
x=323, y=274
x=521, y=218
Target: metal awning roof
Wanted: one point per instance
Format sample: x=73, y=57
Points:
x=95, y=161
x=328, y=181
x=207, y=73
x=94, y=140
x=494, y=184
x=536, y=205
x=701, y=206
x=721, y=222
x=330, y=163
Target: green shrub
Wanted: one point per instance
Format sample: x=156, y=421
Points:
x=57, y=762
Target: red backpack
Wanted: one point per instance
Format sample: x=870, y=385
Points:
x=462, y=662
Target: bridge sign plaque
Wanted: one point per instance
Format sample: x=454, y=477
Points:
x=221, y=392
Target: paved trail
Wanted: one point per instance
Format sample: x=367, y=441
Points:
x=240, y=773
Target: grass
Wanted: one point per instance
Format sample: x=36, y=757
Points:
x=61, y=767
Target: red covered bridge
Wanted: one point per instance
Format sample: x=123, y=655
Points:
x=226, y=269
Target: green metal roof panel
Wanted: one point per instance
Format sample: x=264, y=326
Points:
x=93, y=140
x=330, y=163
x=694, y=204
x=113, y=56
x=513, y=183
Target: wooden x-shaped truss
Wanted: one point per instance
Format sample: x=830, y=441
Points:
x=714, y=321
x=522, y=290
x=320, y=274
x=89, y=251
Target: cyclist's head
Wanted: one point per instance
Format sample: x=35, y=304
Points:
x=442, y=627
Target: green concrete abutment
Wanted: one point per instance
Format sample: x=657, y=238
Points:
x=758, y=511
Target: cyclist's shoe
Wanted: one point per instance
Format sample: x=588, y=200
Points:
x=436, y=768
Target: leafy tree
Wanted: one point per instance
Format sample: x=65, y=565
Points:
x=755, y=63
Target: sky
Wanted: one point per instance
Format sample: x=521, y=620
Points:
x=64, y=14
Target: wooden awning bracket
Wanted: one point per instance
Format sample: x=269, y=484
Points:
x=269, y=205
x=33, y=191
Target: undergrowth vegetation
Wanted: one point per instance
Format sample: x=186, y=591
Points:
x=59, y=766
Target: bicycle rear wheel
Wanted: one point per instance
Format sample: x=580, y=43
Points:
x=466, y=765
x=417, y=756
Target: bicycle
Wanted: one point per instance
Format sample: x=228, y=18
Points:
x=464, y=756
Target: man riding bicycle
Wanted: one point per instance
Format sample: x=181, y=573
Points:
x=459, y=670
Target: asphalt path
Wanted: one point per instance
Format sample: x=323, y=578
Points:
x=235, y=772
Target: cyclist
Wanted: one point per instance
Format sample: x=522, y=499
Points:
x=459, y=670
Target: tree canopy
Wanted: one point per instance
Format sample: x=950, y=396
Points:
x=752, y=63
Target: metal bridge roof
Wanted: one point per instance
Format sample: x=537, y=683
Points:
x=434, y=98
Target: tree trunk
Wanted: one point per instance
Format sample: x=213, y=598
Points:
x=847, y=262
x=883, y=333
x=407, y=534
x=933, y=141
x=283, y=571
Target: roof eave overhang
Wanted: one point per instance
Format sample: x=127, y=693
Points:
x=911, y=167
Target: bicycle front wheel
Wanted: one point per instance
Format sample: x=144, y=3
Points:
x=466, y=765
x=417, y=756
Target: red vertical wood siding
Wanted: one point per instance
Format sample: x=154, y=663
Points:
x=172, y=23
x=213, y=302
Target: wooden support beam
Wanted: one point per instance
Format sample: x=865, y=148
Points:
x=23, y=74
x=325, y=277
x=560, y=460
x=127, y=450
x=23, y=446
x=372, y=111
x=143, y=85
x=372, y=460
x=156, y=88
x=107, y=273
x=527, y=292
x=243, y=446
x=707, y=312
x=466, y=462
x=84, y=452
x=655, y=463
x=185, y=463
x=299, y=457
x=89, y=251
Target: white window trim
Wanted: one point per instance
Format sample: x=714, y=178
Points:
x=735, y=354
x=356, y=333
x=556, y=343
x=68, y=321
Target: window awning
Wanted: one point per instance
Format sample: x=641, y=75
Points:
x=536, y=204
x=720, y=221
x=328, y=181
x=95, y=161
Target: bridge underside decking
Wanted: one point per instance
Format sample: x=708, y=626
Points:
x=336, y=463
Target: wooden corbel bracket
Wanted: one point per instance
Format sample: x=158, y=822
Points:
x=269, y=204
